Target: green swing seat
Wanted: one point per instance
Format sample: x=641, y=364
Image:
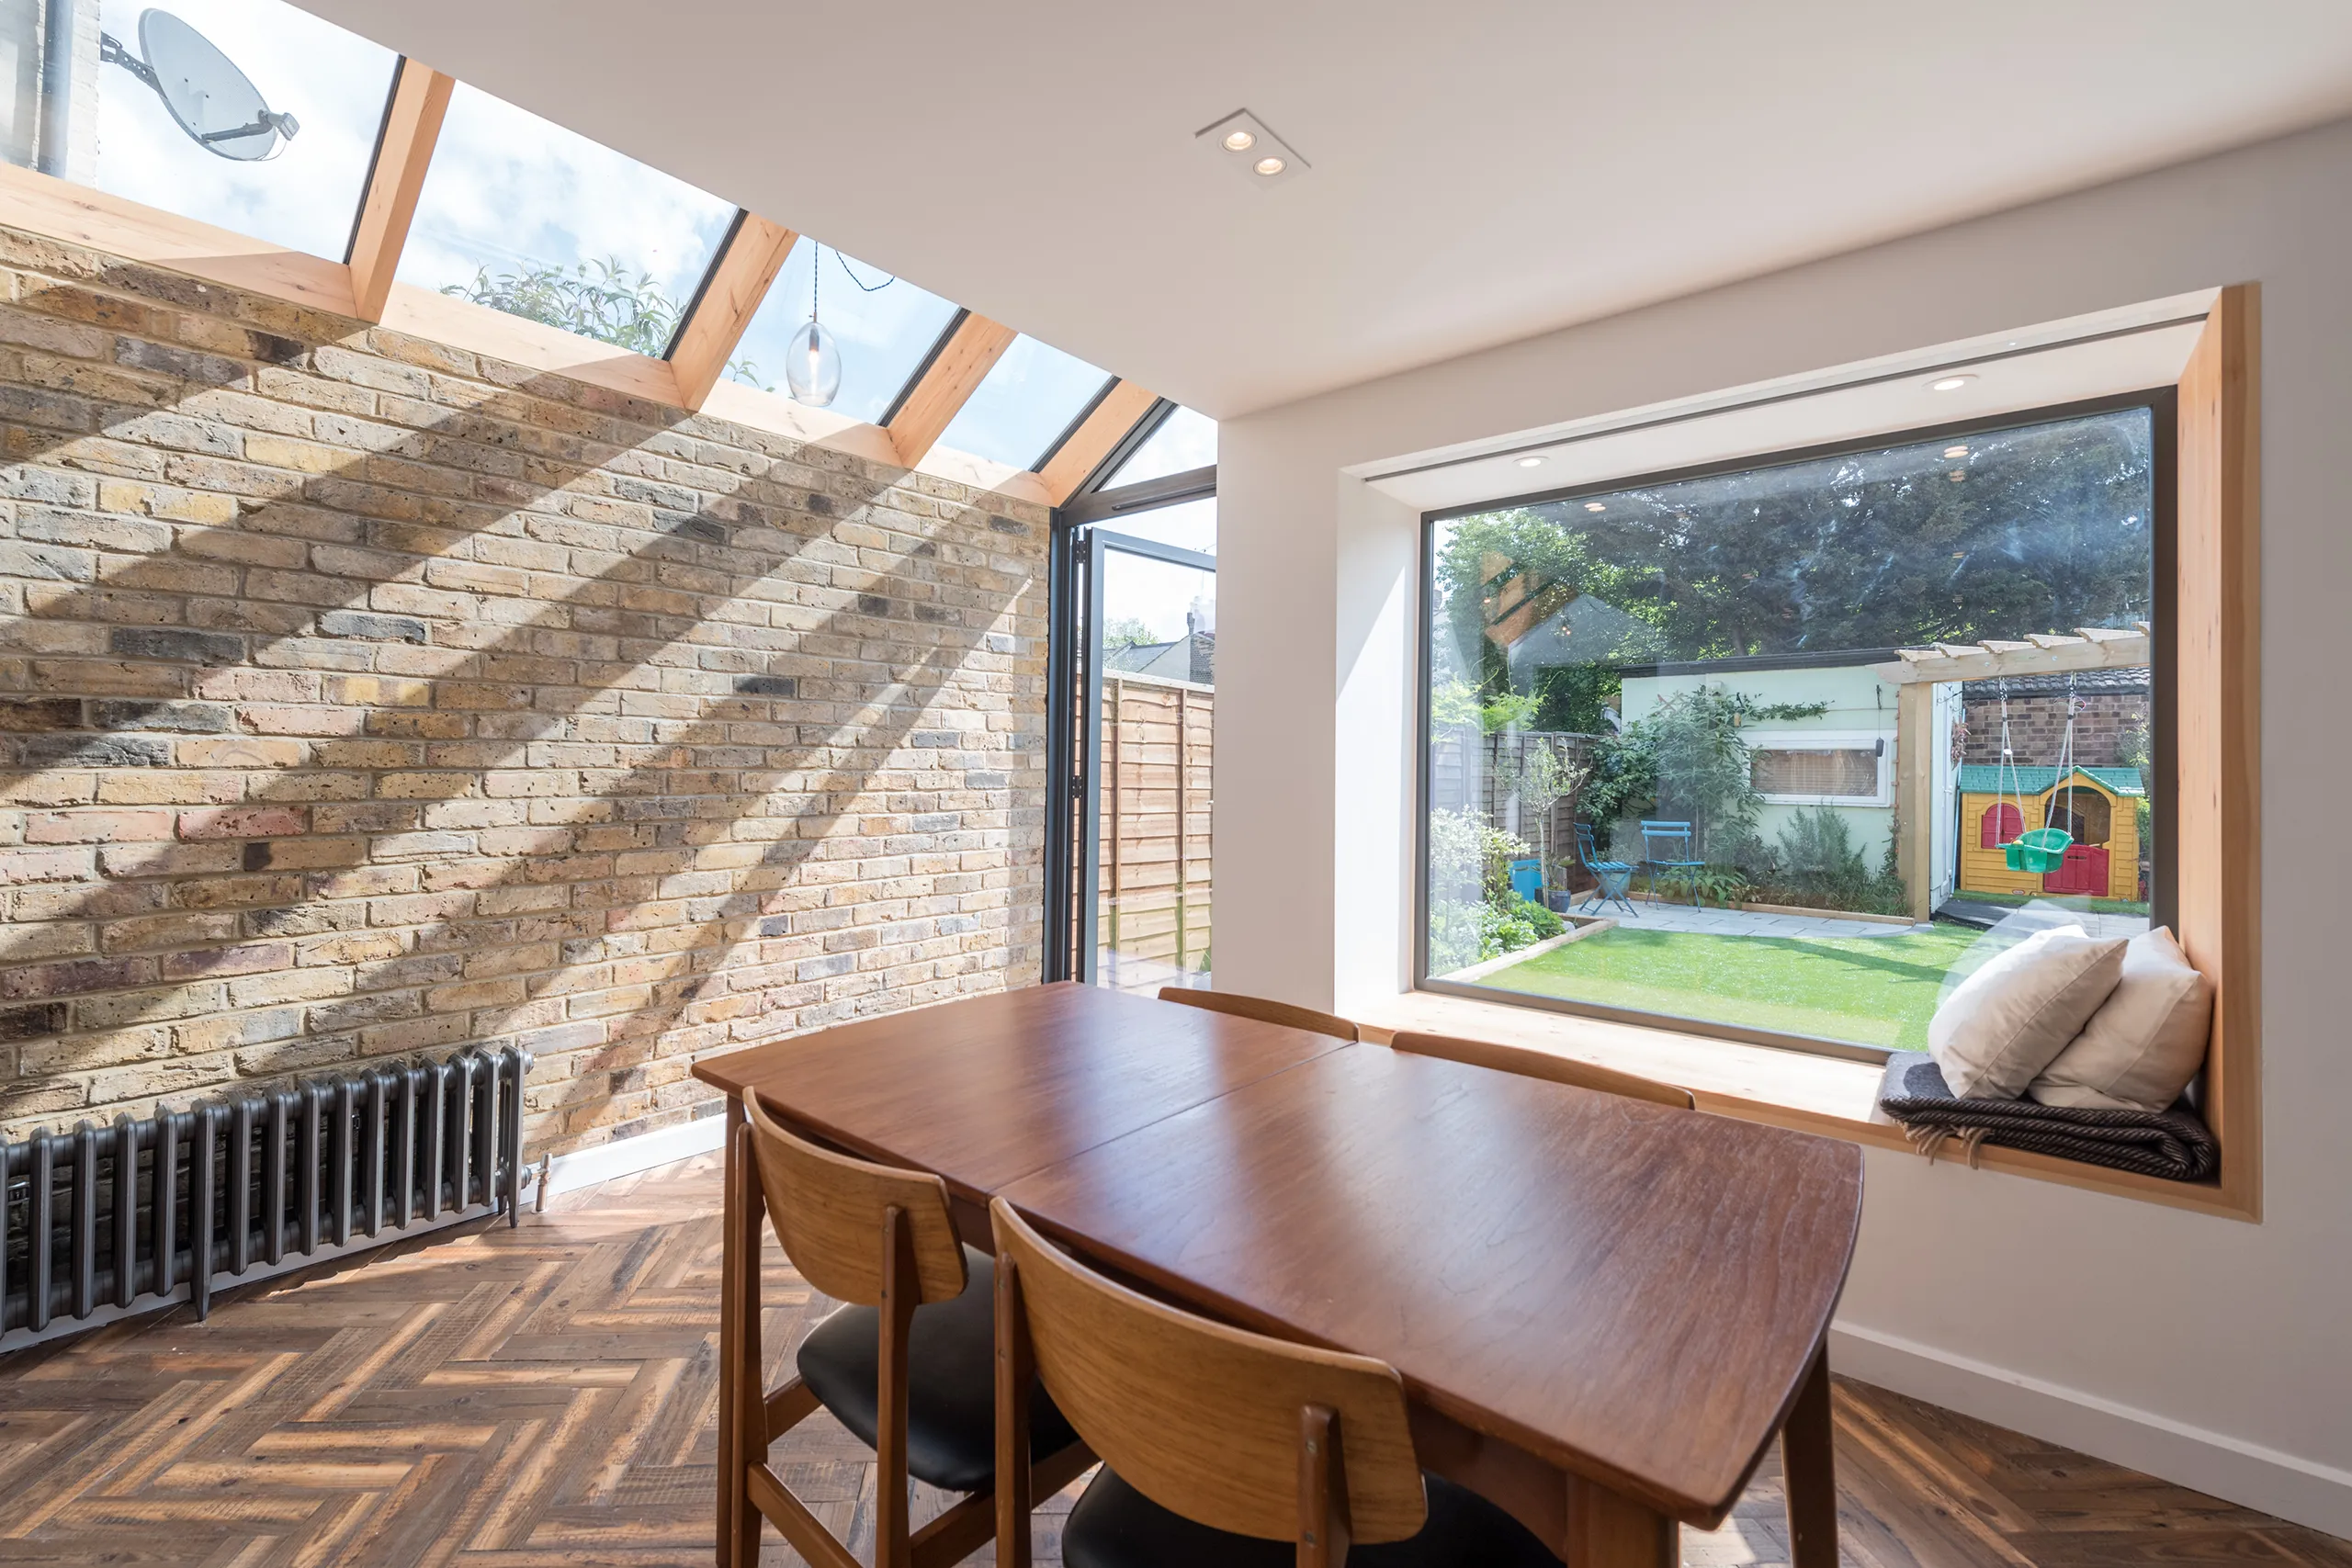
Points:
x=2042, y=849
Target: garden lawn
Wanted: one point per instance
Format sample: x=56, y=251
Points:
x=1874, y=990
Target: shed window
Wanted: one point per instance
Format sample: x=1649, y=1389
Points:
x=1851, y=773
x=2001, y=825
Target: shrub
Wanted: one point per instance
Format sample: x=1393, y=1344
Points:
x=1727, y=884
x=1816, y=865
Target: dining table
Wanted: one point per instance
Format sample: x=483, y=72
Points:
x=1604, y=1311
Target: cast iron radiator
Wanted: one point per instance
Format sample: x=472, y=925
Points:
x=107, y=1216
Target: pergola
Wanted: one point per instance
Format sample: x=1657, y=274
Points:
x=1915, y=673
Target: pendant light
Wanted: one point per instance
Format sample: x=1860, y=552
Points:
x=813, y=366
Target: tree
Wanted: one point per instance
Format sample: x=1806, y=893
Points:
x=1126, y=631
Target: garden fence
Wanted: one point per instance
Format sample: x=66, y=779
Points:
x=1154, y=897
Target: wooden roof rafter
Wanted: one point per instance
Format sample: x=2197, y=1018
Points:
x=404, y=143
x=747, y=263
x=946, y=383
x=2089, y=648
x=1116, y=412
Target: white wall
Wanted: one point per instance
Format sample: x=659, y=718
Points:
x=2213, y=1351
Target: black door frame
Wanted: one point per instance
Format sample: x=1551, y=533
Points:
x=1073, y=698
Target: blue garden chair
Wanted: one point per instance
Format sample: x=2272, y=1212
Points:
x=1615, y=876
x=1665, y=846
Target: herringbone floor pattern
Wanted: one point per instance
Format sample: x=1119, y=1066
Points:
x=546, y=1395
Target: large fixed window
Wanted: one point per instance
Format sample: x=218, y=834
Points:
x=1672, y=732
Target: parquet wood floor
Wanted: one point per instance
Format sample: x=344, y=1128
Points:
x=546, y=1395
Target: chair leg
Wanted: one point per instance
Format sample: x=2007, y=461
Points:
x=744, y=1423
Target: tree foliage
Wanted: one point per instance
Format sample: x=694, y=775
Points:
x=2037, y=529
x=596, y=299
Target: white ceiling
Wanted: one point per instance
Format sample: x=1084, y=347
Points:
x=1481, y=170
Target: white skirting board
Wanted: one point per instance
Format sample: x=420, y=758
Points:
x=2302, y=1490
x=627, y=1156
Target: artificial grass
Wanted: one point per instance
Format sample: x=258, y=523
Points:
x=1872, y=990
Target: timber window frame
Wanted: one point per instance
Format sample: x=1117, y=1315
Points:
x=2206, y=677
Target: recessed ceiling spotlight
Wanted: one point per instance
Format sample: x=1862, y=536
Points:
x=1950, y=383
x=1530, y=462
x=1241, y=140
x=1955, y=451
x=1594, y=506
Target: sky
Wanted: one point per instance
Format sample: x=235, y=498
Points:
x=1025, y=401
x=306, y=197
x=1157, y=593
x=1184, y=440
x=508, y=190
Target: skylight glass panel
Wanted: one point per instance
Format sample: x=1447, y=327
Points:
x=883, y=325
x=1024, y=404
x=519, y=214
x=1184, y=440
x=246, y=114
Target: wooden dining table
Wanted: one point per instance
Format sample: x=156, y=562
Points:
x=1603, y=1311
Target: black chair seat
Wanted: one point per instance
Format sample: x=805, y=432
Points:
x=1115, y=1526
x=951, y=1383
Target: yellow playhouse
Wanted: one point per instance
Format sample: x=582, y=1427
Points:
x=2096, y=807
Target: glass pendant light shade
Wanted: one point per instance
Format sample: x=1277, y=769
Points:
x=813, y=366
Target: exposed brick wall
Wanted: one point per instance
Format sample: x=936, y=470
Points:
x=361, y=696
x=2038, y=725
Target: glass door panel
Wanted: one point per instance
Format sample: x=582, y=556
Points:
x=1149, y=687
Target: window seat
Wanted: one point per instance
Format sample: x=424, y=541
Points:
x=1825, y=1095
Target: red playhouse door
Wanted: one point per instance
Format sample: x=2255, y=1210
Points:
x=2084, y=871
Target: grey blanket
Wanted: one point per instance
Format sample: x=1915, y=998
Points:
x=2173, y=1144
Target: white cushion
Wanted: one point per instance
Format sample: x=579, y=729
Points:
x=2139, y=1051
x=2005, y=1022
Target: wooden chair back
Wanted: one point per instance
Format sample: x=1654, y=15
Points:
x=833, y=1215
x=1534, y=1064
x=1228, y=1428
x=1262, y=1009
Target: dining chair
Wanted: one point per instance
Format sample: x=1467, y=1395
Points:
x=905, y=1363
x=1262, y=1009
x=1534, y=1064
x=1221, y=1449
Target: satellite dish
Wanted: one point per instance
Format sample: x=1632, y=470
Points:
x=214, y=102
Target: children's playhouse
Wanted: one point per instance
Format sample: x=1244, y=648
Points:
x=2096, y=807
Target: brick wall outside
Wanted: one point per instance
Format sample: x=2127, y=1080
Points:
x=2038, y=725
x=361, y=696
